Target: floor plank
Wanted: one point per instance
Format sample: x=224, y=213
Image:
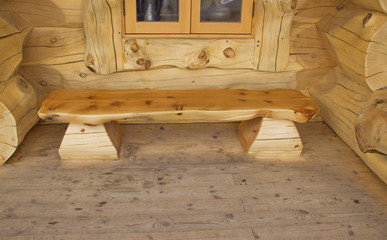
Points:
x=191, y=181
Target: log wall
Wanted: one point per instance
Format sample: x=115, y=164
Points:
x=19, y=100
x=352, y=97
x=54, y=56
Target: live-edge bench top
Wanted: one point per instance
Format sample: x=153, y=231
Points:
x=150, y=106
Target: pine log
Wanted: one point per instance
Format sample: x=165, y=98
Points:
x=371, y=125
x=188, y=53
x=13, y=31
x=102, y=21
x=19, y=101
x=266, y=137
x=357, y=38
x=49, y=13
x=19, y=104
x=377, y=5
x=341, y=101
x=273, y=24
x=170, y=106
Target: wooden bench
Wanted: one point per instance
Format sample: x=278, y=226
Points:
x=267, y=117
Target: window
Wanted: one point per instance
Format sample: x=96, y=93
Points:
x=188, y=17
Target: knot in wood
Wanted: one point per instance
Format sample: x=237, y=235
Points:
x=140, y=61
x=148, y=64
x=229, y=52
x=366, y=19
x=90, y=60
x=293, y=4
x=22, y=83
x=203, y=54
x=83, y=75
x=340, y=6
x=178, y=107
x=134, y=47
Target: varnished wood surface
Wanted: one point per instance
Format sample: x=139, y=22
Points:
x=99, y=106
x=184, y=181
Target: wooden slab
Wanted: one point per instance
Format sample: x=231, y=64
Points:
x=266, y=137
x=87, y=143
x=169, y=106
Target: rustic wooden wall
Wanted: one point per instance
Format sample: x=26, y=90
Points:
x=352, y=97
x=54, y=54
x=19, y=98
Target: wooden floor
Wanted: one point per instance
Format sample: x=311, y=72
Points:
x=191, y=182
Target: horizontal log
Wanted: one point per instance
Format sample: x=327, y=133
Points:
x=377, y=5
x=19, y=104
x=357, y=39
x=13, y=31
x=50, y=13
x=76, y=75
x=341, y=101
x=307, y=50
x=188, y=53
x=311, y=11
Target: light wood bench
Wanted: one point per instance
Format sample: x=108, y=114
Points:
x=267, y=117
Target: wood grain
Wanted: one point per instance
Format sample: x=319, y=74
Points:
x=273, y=23
x=100, y=106
x=102, y=24
x=371, y=125
x=19, y=99
x=86, y=144
x=357, y=36
x=341, y=101
x=13, y=32
x=377, y=5
x=206, y=189
x=19, y=103
x=188, y=53
x=270, y=138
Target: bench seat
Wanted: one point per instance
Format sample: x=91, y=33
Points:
x=85, y=110
x=175, y=106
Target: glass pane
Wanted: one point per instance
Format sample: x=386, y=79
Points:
x=220, y=10
x=157, y=10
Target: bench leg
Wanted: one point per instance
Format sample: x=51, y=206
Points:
x=266, y=137
x=91, y=142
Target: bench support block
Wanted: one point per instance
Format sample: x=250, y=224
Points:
x=266, y=137
x=87, y=143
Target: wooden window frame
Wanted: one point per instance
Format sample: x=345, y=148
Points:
x=106, y=45
x=189, y=25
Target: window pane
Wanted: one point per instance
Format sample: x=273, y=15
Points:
x=220, y=10
x=157, y=10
